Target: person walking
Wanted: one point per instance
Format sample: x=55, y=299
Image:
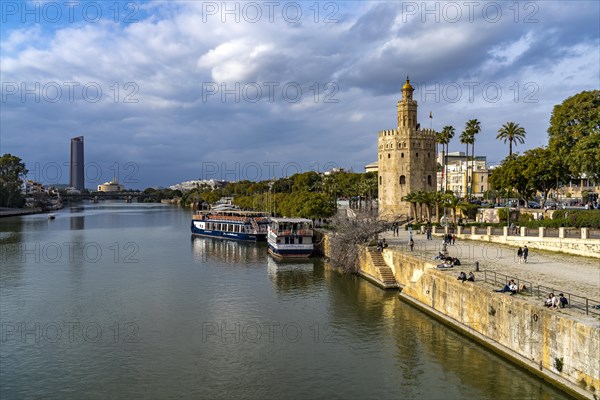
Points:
x=525, y=254
x=520, y=254
x=411, y=244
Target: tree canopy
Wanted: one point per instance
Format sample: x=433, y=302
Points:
x=574, y=133
x=12, y=175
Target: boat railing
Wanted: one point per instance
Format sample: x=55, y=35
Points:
x=298, y=232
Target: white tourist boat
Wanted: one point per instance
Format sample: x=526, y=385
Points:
x=290, y=238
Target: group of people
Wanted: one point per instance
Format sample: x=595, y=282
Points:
x=382, y=244
x=447, y=261
x=395, y=228
x=554, y=302
x=463, y=277
x=449, y=239
x=522, y=254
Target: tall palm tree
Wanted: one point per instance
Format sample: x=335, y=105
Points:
x=412, y=198
x=466, y=138
x=474, y=127
x=447, y=134
x=512, y=132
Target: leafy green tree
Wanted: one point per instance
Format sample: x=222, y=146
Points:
x=511, y=132
x=543, y=171
x=509, y=176
x=574, y=130
x=12, y=175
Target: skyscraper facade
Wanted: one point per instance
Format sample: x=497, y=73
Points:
x=77, y=164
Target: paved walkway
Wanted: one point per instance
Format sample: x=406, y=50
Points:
x=567, y=273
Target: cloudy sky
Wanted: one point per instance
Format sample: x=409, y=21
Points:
x=170, y=91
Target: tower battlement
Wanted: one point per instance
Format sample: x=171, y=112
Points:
x=427, y=132
x=388, y=132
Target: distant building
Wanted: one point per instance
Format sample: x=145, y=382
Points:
x=475, y=183
x=112, y=186
x=30, y=187
x=334, y=171
x=190, y=185
x=77, y=180
x=373, y=167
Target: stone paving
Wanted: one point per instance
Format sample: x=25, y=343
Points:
x=564, y=273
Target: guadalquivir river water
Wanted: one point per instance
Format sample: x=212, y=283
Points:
x=117, y=300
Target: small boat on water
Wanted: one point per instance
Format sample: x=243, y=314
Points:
x=51, y=216
x=290, y=238
x=228, y=222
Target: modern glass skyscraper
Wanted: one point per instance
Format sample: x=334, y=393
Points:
x=77, y=166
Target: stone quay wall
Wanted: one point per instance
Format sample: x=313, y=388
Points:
x=556, y=347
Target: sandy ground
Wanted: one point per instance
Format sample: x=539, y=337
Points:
x=576, y=275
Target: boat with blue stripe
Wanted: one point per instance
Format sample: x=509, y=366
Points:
x=231, y=223
x=290, y=238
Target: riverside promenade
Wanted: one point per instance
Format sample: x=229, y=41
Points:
x=577, y=275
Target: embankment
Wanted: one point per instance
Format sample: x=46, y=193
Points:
x=553, y=346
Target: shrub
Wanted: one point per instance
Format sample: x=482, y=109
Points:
x=579, y=218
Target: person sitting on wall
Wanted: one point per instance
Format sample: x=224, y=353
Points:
x=471, y=277
x=446, y=264
x=385, y=245
x=562, y=301
x=379, y=246
x=511, y=287
x=455, y=261
x=552, y=301
x=462, y=276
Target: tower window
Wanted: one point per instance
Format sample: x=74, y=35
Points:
x=429, y=180
x=402, y=180
x=380, y=180
x=380, y=156
x=428, y=156
x=389, y=155
x=401, y=155
x=417, y=154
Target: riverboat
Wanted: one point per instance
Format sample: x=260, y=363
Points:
x=231, y=223
x=290, y=238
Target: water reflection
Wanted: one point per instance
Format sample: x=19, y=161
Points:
x=290, y=276
x=227, y=251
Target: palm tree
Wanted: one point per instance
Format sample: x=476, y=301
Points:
x=447, y=134
x=413, y=200
x=466, y=138
x=512, y=132
x=455, y=203
x=474, y=127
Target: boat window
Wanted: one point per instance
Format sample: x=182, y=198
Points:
x=300, y=240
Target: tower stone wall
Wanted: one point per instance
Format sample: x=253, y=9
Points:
x=406, y=159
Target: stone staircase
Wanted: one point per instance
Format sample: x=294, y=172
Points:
x=386, y=276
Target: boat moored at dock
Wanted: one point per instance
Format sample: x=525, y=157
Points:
x=231, y=223
x=290, y=238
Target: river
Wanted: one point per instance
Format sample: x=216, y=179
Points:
x=115, y=300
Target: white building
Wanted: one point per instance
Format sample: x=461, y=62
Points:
x=112, y=186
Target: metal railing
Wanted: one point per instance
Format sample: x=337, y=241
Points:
x=497, y=279
x=540, y=291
